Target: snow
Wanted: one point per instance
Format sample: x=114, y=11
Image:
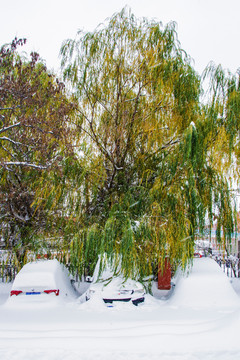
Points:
x=109, y=283
x=206, y=278
x=193, y=124
x=39, y=276
x=198, y=320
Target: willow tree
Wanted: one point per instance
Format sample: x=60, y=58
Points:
x=220, y=129
x=148, y=185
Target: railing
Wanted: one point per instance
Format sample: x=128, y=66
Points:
x=229, y=265
x=7, y=272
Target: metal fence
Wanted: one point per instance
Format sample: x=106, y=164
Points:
x=230, y=265
x=7, y=272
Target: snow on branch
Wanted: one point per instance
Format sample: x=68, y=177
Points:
x=10, y=140
x=10, y=127
x=18, y=163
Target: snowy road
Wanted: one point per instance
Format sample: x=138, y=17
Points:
x=109, y=335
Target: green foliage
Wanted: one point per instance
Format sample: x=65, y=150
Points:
x=128, y=167
x=153, y=171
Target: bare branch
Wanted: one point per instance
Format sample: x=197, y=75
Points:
x=131, y=123
x=94, y=137
x=10, y=108
x=17, y=216
x=39, y=129
x=105, y=108
x=10, y=127
x=10, y=140
x=101, y=147
x=21, y=163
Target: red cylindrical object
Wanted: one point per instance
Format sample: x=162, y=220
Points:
x=164, y=277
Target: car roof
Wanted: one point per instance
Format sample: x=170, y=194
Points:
x=41, y=266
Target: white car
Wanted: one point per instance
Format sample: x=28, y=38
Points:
x=43, y=280
x=113, y=287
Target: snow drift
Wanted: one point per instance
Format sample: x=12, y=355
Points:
x=205, y=285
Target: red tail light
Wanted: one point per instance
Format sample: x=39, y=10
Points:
x=15, y=292
x=52, y=291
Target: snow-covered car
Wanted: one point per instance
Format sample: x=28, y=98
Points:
x=204, y=285
x=43, y=279
x=198, y=254
x=112, y=287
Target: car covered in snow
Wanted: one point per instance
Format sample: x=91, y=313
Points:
x=204, y=285
x=43, y=280
x=112, y=287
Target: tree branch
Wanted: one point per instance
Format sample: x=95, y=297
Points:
x=21, y=163
x=10, y=127
x=10, y=140
x=10, y=108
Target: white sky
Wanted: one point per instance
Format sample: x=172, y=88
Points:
x=207, y=29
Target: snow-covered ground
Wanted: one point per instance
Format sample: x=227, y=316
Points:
x=199, y=320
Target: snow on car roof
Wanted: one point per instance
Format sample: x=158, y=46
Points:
x=41, y=265
x=34, y=278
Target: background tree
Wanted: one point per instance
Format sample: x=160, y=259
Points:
x=221, y=134
x=34, y=114
x=144, y=145
x=223, y=112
